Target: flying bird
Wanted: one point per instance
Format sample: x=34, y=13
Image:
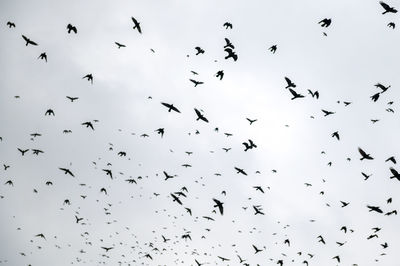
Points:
x=290, y=84
x=388, y=9
x=200, y=116
x=66, y=171
x=43, y=56
x=231, y=54
x=199, y=50
x=228, y=44
x=240, y=171
x=273, y=48
x=219, y=204
x=88, y=124
x=325, y=22
x=71, y=28
x=314, y=94
x=227, y=25
x=28, y=41
x=89, y=77
x=120, y=45
x=10, y=24
x=72, y=99
x=391, y=25
x=364, y=155
x=170, y=107
x=295, y=94
x=136, y=25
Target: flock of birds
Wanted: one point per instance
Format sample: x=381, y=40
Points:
x=162, y=244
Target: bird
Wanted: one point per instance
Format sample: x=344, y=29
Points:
x=71, y=28
x=72, y=99
x=89, y=77
x=314, y=94
x=219, y=204
x=240, y=171
x=375, y=97
x=336, y=135
x=344, y=204
x=295, y=94
x=395, y=174
x=9, y=182
x=337, y=258
x=108, y=172
x=175, y=198
x=200, y=116
x=160, y=131
x=256, y=249
x=258, y=210
x=49, y=112
x=231, y=54
x=220, y=74
x=28, y=41
x=167, y=176
x=171, y=107
x=326, y=113
x=199, y=50
x=290, y=84
x=10, y=24
x=391, y=25
x=273, y=48
x=364, y=155
x=41, y=235
x=321, y=239
x=196, y=82
x=365, y=175
x=88, y=124
x=392, y=159
x=107, y=249
x=251, y=121
x=227, y=25
x=120, y=45
x=23, y=151
x=325, y=22
x=136, y=25
x=131, y=181
x=36, y=151
x=228, y=44
x=43, y=56
x=374, y=208
x=388, y=9
x=249, y=145
x=66, y=171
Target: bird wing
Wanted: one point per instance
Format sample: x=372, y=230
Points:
x=384, y=5
x=288, y=80
x=394, y=171
x=363, y=154
x=295, y=94
x=25, y=38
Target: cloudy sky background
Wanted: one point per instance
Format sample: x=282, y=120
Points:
x=359, y=51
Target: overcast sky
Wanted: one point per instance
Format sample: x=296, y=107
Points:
x=293, y=137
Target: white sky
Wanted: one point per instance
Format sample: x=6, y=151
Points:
x=358, y=52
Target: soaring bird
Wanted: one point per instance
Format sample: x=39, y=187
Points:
x=167, y=176
x=88, y=124
x=10, y=24
x=22, y=151
x=120, y=45
x=228, y=44
x=273, y=48
x=71, y=28
x=196, y=82
x=200, y=116
x=251, y=120
x=170, y=107
x=49, y=112
x=325, y=22
x=326, y=113
x=89, y=77
x=290, y=84
x=395, y=174
x=374, y=208
x=392, y=159
x=107, y=249
x=227, y=25
x=219, y=204
x=382, y=87
x=295, y=94
x=231, y=54
x=137, y=25
x=256, y=249
x=240, y=171
x=28, y=41
x=388, y=9
x=72, y=99
x=364, y=155
x=43, y=56
x=66, y=171
x=175, y=198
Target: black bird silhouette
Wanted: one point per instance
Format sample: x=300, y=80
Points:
x=240, y=171
x=41, y=235
x=49, y=112
x=88, y=124
x=344, y=204
x=325, y=22
x=382, y=87
x=374, y=208
x=295, y=94
x=108, y=172
x=196, y=82
x=23, y=151
x=337, y=258
x=223, y=259
x=227, y=25
x=9, y=182
x=131, y=181
x=259, y=188
x=388, y=9
x=220, y=74
x=392, y=159
x=273, y=48
x=170, y=107
x=167, y=176
x=72, y=99
x=71, y=28
x=364, y=155
x=89, y=77
x=375, y=97
x=10, y=24
x=199, y=50
x=321, y=239
x=66, y=171
x=395, y=174
x=6, y=167
x=365, y=175
x=249, y=145
x=200, y=116
x=120, y=45
x=231, y=54
x=256, y=249
x=326, y=113
x=175, y=198
x=258, y=210
x=314, y=94
x=251, y=120
x=391, y=25
x=290, y=84
x=336, y=135
x=160, y=131
x=107, y=249
x=43, y=56
x=137, y=25
x=36, y=151
x=228, y=44
x=28, y=41
x=219, y=204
